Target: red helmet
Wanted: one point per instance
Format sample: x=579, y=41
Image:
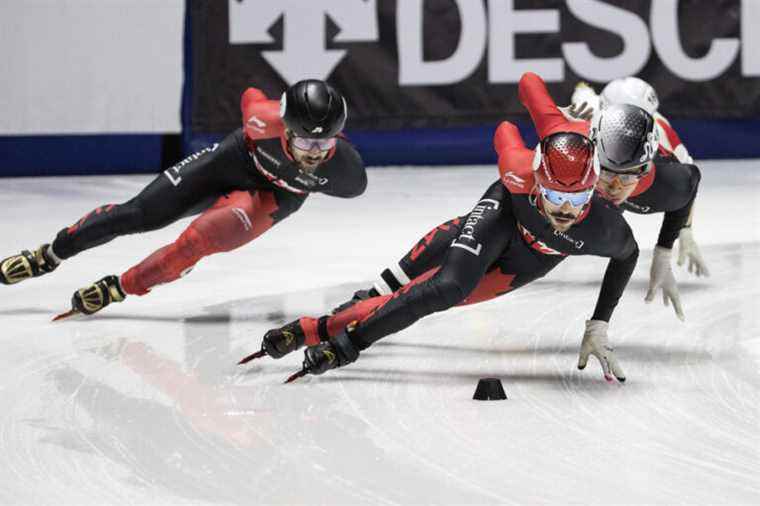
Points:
x=566, y=162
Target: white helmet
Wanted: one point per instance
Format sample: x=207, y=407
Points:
x=633, y=91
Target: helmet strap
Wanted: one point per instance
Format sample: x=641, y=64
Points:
x=537, y=157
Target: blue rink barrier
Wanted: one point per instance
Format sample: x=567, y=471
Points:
x=474, y=145
x=52, y=155
x=64, y=155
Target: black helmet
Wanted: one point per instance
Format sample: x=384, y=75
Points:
x=313, y=108
x=626, y=137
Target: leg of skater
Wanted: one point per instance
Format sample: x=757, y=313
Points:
x=175, y=193
x=234, y=220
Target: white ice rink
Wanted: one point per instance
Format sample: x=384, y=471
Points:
x=143, y=403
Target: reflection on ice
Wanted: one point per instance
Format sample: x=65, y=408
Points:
x=143, y=404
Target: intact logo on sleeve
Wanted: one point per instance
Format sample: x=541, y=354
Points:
x=466, y=239
x=173, y=173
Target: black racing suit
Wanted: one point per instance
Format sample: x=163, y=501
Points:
x=502, y=244
x=671, y=187
x=192, y=185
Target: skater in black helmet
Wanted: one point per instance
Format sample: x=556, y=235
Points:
x=250, y=181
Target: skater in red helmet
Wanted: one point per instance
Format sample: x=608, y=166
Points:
x=541, y=211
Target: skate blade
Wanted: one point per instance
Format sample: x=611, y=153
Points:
x=65, y=315
x=253, y=356
x=293, y=377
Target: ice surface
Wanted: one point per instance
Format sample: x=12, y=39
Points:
x=143, y=403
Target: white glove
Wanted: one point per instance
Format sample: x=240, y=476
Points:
x=583, y=92
x=595, y=343
x=661, y=276
x=577, y=112
x=687, y=248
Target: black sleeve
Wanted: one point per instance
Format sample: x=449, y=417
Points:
x=484, y=235
x=344, y=174
x=672, y=192
x=675, y=220
x=186, y=188
x=619, y=269
x=615, y=280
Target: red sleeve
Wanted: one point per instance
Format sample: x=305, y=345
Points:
x=547, y=118
x=673, y=139
x=261, y=117
x=515, y=160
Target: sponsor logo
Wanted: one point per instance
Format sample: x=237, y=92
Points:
x=243, y=217
x=311, y=181
x=173, y=173
x=650, y=147
x=256, y=121
x=479, y=20
x=635, y=207
x=304, y=32
x=305, y=35
x=257, y=124
x=268, y=156
x=513, y=178
x=317, y=130
x=274, y=179
x=466, y=239
x=537, y=245
x=576, y=242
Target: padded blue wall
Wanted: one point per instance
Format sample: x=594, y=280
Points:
x=121, y=154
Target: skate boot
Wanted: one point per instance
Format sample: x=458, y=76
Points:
x=320, y=358
x=93, y=298
x=279, y=342
x=26, y=265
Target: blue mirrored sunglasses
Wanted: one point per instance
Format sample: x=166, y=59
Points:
x=576, y=199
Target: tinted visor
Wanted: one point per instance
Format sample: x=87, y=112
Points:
x=576, y=199
x=307, y=144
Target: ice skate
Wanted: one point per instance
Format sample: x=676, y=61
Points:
x=27, y=265
x=93, y=298
x=279, y=342
x=318, y=359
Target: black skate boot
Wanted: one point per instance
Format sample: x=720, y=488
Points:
x=93, y=298
x=280, y=341
x=322, y=357
x=27, y=265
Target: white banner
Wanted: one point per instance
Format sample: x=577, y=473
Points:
x=90, y=66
